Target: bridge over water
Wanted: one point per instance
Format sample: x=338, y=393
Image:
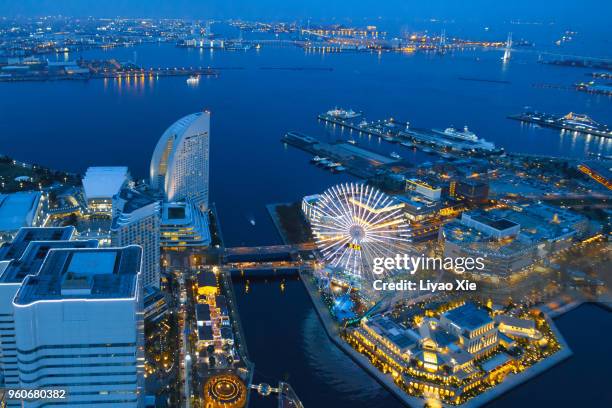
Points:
x=269, y=253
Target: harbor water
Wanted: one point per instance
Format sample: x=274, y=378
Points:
x=71, y=125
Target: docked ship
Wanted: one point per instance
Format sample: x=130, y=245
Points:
x=574, y=122
x=465, y=139
x=343, y=114
x=193, y=80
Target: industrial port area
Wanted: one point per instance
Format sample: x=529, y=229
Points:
x=223, y=213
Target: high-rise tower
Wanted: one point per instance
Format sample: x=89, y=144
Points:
x=180, y=163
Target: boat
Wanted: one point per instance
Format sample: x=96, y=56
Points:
x=455, y=133
x=193, y=80
x=363, y=123
x=407, y=144
x=339, y=169
x=352, y=141
x=427, y=150
x=343, y=114
x=463, y=139
x=394, y=155
x=316, y=159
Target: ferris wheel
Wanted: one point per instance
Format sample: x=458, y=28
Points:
x=354, y=223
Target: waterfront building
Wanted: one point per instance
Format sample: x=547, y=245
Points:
x=425, y=188
x=137, y=220
x=309, y=205
x=448, y=351
x=100, y=184
x=183, y=225
x=473, y=326
x=79, y=327
x=513, y=239
x=391, y=334
x=180, y=162
x=516, y=327
x=21, y=209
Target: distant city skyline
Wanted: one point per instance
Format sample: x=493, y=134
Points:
x=589, y=11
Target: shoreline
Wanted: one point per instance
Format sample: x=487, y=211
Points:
x=510, y=383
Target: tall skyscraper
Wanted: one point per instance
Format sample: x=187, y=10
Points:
x=136, y=220
x=180, y=163
x=79, y=327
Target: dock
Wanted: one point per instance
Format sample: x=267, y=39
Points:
x=394, y=131
x=358, y=161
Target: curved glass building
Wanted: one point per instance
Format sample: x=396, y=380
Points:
x=179, y=167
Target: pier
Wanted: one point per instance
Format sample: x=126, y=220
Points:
x=394, y=131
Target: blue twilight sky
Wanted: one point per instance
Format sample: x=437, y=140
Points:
x=559, y=11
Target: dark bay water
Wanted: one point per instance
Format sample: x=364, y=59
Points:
x=73, y=125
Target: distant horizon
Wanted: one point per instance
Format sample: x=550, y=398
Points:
x=546, y=11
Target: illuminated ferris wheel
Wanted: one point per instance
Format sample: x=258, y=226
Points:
x=355, y=223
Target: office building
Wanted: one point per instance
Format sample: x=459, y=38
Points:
x=22, y=257
x=79, y=326
x=137, y=221
x=180, y=162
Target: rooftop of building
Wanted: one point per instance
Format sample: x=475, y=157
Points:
x=134, y=199
x=474, y=240
x=127, y=203
x=104, y=182
x=202, y=311
x=205, y=333
x=207, y=278
x=33, y=257
x=181, y=125
x=101, y=273
x=417, y=202
x=515, y=321
x=425, y=182
x=17, y=247
x=495, y=361
x=468, y=316
x=17, y=209
x=492, y=219
x=441, y=337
